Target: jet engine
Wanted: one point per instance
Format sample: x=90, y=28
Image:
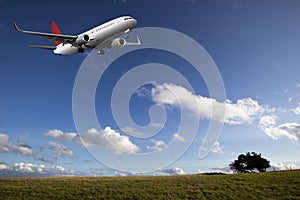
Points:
x=82, y=39
x=118, y=43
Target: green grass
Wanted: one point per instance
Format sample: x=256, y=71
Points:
x=271, y=185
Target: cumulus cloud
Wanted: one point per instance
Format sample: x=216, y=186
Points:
x=173, y=171
x=3, y=166
x=159, y=145
x=107, y=137
x=267, y=120
x=243, y=111
x=110, y=139
x=60, y=135
x=281, y=166
x=290, y=130
x=60, y=149
x=29, y=170
x=178, y=137
x=18, y=148
x=225, y=169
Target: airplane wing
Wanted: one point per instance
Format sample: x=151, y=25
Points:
x=50, y=36
x=43, y=47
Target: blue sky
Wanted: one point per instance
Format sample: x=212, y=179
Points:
x=255, y=45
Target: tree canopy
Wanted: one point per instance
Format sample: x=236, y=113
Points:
x=249, y=163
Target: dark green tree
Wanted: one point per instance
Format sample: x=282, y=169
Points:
x=250, y=162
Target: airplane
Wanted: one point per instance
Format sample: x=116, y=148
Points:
x=99, y=38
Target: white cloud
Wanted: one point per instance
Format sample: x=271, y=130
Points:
x=60, y=135
x=173, y=171
x=290, y=130
x=281, y=166
x=133, y=131
x=156, y=125
x=109, y=138
x=218, y=149
x=297, y=109
x=267, y=120
x=60, y=149
x=178, y=137
x=159, y=145
x=4, y=142
x=28, y=169
x=22, y=149
x=143, y=92
x=243, y=111
x=298, y=85
x=3, y=166
x=123, y=1
x=18, y=148
x=225, y=169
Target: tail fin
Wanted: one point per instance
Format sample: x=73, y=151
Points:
x=55, y=30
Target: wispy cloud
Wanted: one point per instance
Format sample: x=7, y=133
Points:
x=192, y=1
x=218, y=149
x=296, y=110
x=178, y=137
x=60, y=149
x=121, y=1
x=158, y=145
x=134, y=132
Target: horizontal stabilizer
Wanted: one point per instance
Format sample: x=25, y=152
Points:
x=43, y=47
x=138, y=42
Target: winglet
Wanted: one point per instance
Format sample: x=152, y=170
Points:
x=16, y=27
x=137, y=43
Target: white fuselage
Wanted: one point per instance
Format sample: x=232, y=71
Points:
x=99, y=36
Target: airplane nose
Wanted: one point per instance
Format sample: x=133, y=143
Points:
x=134, y=22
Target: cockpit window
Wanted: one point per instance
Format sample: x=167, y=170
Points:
x=127, y=18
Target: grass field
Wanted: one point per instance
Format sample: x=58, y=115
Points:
x=271, y=185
